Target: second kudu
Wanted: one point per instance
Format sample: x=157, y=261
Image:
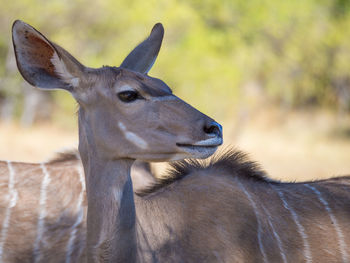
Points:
x=225, y=210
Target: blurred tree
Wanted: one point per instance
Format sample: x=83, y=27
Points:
x=295, y=53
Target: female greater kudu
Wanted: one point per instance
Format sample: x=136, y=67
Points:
x=222, y=211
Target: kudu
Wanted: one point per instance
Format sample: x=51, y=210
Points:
x=53, y=189
x=222, y=210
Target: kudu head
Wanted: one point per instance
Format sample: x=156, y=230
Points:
x=124, y=113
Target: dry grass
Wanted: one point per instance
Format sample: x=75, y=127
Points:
x=34, y=144
x=296, y=146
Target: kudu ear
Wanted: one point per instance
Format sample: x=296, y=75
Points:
x=42, y=63
x=142, y=58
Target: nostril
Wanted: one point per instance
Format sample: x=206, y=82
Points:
x=213, y=128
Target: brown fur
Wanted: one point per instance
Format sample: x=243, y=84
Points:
x=65, y=156
x=198, y=183
x=63, y=192
x=223, y=162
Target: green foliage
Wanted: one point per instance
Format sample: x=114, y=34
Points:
x=294, y=52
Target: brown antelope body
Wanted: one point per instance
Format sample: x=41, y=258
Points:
x=44, y=220
x=224, y=211
x=46, y=204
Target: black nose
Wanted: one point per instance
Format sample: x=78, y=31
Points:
x=213, y=128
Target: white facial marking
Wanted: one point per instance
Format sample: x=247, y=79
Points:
x=279, y=242
x=164, y=98
x=301, y=229
x=132, y=137
x=337, y=228
x=117, y=195
x=42, y=213
x=61, y=70
x=125, y=87
x=257, y=218
x=209, y=142
x=12, y=196
x=80, y=216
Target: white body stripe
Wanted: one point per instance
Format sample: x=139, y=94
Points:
x=257, y=218
x=279, y=242
x=301, y=229
x=42, y=212
x=12, y=196
x=79, y=220
x=337, y=228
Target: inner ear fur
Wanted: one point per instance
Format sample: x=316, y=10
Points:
x=42, y=63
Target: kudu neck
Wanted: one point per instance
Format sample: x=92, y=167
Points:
x=111, y=210
x=97, y=164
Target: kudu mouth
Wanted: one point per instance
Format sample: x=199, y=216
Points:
x=207, y=147
x=209, y=143
x=199, y=151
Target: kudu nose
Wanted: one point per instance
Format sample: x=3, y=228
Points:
x=213, y=128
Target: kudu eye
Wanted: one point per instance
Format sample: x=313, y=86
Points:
x=129, y=96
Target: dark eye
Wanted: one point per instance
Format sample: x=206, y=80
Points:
x=129, y=96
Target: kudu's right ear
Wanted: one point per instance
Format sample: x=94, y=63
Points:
x=142, y=58
x=42, y=63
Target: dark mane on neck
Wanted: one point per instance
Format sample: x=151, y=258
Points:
x=229, y=161
x=65, y=156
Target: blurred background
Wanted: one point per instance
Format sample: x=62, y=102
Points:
x=275, y=73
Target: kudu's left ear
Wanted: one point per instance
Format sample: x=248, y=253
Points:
x=42, y=63
x=142, y=58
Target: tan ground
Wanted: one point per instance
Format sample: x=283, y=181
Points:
x=290, y=147
x=34, y=144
